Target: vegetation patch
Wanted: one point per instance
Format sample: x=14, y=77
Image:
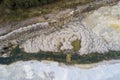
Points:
x=16, y=10
x=76, y=45
x=17, y=55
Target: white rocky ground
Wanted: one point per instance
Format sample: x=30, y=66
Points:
x=61, y=40
x=98, y=32
x=105, y=22
x=35, y=70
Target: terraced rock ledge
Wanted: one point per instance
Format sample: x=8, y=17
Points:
x=59, y=31
x=75, y=44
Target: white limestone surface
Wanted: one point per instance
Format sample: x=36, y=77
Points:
x=35, y=70
x=98, y=32
x=62, y=39
x=105, y=22
x=22, y=29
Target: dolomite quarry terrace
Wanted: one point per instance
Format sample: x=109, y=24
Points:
x=32, y=51
x=96, y=31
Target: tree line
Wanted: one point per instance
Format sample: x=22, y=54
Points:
x=14, y=4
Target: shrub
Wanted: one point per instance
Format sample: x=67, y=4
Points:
x=76, y=45
x=13, y=4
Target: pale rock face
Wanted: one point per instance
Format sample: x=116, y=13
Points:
x=23, y=29
x=61, y=40
x=105, y=22
x=98, y=32
x=35, y=70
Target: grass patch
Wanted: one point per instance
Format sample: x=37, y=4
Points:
x=76, y=45
x=35, y=11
